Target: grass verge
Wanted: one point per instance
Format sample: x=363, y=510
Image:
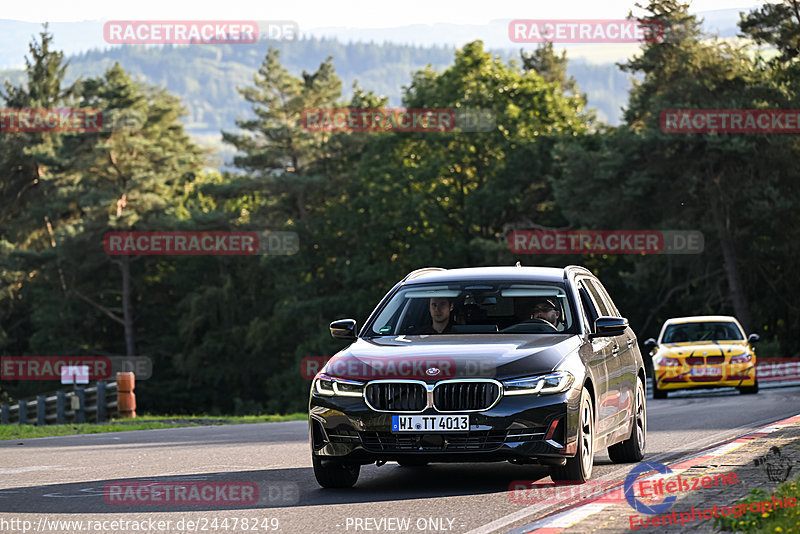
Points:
x=781, y=520
x=144, y=422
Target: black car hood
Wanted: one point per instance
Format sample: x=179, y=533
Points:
x=500, y=356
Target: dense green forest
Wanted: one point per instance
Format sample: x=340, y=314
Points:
x=205, y=77
x=227, y=333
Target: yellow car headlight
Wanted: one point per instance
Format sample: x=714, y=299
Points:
x=744, y=357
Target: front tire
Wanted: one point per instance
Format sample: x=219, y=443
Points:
x=579, y=467
x=632, y=449
x=749, y=390
x=658, y=393
x=335, y=474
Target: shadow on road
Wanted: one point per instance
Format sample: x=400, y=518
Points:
x=276, y=488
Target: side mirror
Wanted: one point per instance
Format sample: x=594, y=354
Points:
x=344, y=329
x=752, y=338
x=609, y=326
x=650, y=343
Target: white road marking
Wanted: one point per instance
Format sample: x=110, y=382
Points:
x=564, y=519
x=15, y=470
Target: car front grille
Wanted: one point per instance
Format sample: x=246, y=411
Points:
x=465, y=396
x=448, y=396
x=705, y=360
x=397, y=396
x=488, y=440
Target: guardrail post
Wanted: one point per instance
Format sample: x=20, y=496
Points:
x=41, y=419
x=4, y=414
x=80, y=414
x=23, y=412
x=61, y=400
x=101, y=402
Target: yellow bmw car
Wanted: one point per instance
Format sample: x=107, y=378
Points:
x=703, y=352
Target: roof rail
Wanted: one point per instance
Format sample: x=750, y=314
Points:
x=576, y=268
x=419, y=272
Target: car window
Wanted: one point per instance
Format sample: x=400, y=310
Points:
x=588, y=307
x=599, y=303
x=601, y=291
x=702, y=331
x=476, y=308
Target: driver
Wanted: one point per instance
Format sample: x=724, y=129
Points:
x=440, y=309
x=545, y=310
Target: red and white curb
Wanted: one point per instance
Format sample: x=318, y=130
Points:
x=560, y=521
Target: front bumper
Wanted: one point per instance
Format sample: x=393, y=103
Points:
x=523, y=428
x=711, y=376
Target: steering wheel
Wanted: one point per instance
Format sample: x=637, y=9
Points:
x=531, y=326
x=542, y=322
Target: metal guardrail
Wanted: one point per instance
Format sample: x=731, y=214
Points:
x=82, y=405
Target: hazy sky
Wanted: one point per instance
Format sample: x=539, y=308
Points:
x=324, y=13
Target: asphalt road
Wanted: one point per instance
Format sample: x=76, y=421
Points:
x=68, y=478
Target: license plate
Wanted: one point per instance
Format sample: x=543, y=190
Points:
x=707, y=371
x=430, y=423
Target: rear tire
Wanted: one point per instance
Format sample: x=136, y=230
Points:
x=335, y=474
x=632, y=449
x=749, y=390
x=579, y=467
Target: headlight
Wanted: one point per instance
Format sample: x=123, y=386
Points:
x=664, y=361
x=329, y=386
x=544, y=384
x=745, y=357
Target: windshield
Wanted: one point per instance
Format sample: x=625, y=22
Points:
x=477, y=308
x=711, y=331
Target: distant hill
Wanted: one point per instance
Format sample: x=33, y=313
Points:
x=206, y=76
x=75, y=37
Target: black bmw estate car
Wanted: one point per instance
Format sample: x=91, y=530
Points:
x=518, y=364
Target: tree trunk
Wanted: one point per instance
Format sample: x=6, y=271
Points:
x=729, y=261
x=127, y=305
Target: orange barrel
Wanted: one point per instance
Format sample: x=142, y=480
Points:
x=126, y=398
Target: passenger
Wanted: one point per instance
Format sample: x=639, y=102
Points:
x=440, y=309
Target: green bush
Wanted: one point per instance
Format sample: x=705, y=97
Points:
x=783, y=520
